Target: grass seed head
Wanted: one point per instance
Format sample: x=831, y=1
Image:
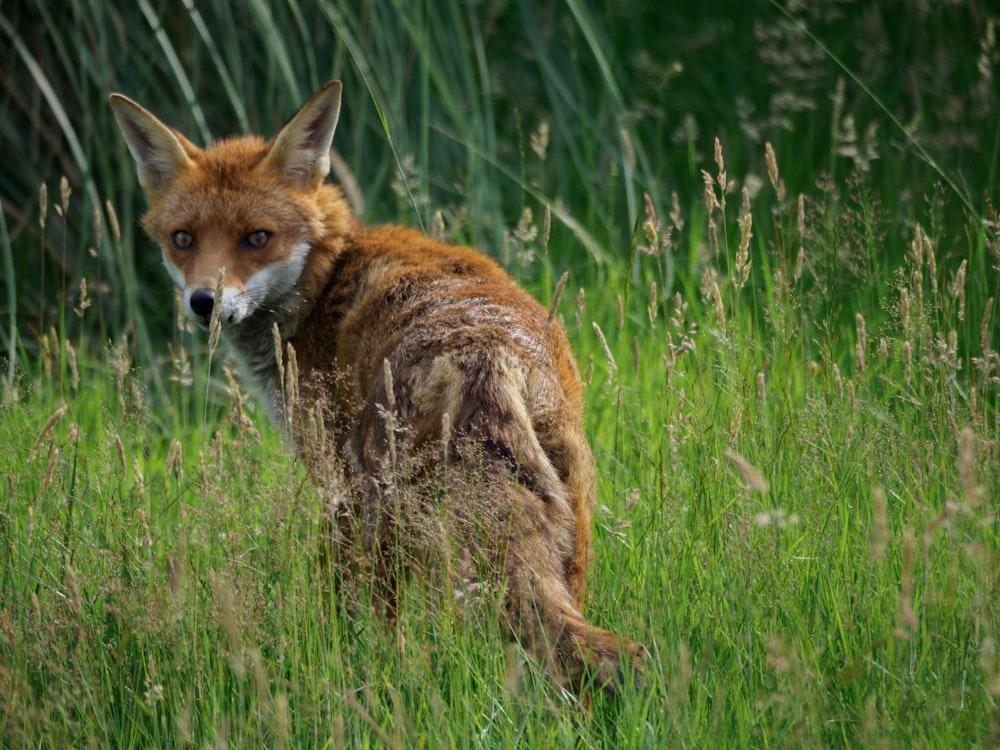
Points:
x=556, y=296
x=65, y=191
x=540, y=139
x=772, y=164
x=47, y=428
x=116, y=231
x=215, y=324
x=748, y=473
x=958, y=289
x=720, y=312
x=43, y=205
x=612, y=365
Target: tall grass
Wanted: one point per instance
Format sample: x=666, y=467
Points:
x=788, y=335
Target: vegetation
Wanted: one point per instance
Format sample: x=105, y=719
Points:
x=778, y=222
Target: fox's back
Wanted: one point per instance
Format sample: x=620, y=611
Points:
x=397, y=295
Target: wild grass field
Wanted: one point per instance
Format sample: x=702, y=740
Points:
x=778, y=225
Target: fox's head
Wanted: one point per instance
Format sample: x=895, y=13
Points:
x=256, y=209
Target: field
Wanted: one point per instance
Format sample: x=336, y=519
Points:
x=783, y=264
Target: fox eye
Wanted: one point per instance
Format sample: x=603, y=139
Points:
x=182, y=240
x=258, y=239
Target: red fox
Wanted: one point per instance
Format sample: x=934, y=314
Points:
x=389, y=328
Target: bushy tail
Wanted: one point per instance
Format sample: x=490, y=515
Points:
x=580, y=654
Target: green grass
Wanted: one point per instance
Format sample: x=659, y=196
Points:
x=799, y=472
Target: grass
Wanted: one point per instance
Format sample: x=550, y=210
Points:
x=795, y=416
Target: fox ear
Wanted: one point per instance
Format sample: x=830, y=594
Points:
x=300, y=151
x=157, y=150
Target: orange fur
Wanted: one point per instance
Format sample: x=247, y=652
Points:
x=359, y=306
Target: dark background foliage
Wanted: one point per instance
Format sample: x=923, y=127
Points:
x=442, y=99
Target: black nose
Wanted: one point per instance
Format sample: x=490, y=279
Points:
x=202, y=302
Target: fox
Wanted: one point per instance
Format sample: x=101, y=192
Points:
x=390, y=333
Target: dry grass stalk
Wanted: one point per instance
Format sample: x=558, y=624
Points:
x=140, y=482
x=725, y=184
x=711, y=202
x=175, y=460
x=749, y=475
x=389, y=412
x=46, y=429
x=291, y=382
x=278, y=358
x=215, y=324
x=772, y=164
x=734, y=428
x=120, y=451
x=907, y=615
x=83, y=300
x=437, y=225
x=116, y=231
x=65, y=191
x=49, y=471
x=743, y=251
x=74, y=370
x=985, y=327
x=720, y=313
x=445, y=437
x=46, y=351
x=966, y=465
x=629, y=148
x=651, y=307
x=958, y=289
x=607, y=350
x=556, y=296
x=98, y=234
x=931, y=263
x=43, y=205
x=546, y=227
x=657, y=241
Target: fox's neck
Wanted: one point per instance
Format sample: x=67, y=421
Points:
x=253, y=344
x=253, y=341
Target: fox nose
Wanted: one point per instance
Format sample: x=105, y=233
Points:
x=202, y=302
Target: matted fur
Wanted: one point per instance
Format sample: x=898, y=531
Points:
x=474, y=370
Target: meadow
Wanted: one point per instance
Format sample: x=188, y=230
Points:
x=778, y=223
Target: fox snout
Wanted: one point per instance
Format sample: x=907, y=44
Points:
x=201, y=304
x=235, y=305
